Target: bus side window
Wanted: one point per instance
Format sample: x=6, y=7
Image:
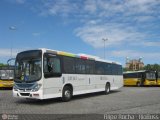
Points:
x=52, y=67
x=56, y=65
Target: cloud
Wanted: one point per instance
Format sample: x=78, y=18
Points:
x=90, y=6
x=117, y=34
x=124, y=11
x=62, y=8
x=135, y=54
x=7, y=52
x=152, y=44
x=36, y=34
x=147, y=44
x=96, y=8
x=124, y=22
x=120, y=21
x=20, y=1
x=144, y=18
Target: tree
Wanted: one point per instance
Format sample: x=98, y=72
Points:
x=1, y=64
x=125, y=69
x=154, y=67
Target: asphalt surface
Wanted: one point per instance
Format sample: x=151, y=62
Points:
x=127, y=100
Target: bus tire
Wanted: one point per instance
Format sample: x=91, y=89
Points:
x=67, y=94
x=138, y=84
x=107, y=89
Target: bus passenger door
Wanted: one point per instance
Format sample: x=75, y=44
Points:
x=52, y=75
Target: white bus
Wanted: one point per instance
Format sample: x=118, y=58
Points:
x=44, y=74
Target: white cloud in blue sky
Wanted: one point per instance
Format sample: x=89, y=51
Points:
x=20, y=1
x=117, y=34
x=131, y=26
x=120, y=21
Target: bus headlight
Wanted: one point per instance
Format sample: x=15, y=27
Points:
x=36, y=88
x=15, y=88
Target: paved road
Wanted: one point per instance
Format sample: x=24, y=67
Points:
x=127, y=100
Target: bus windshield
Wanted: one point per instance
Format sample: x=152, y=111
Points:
x=6, y=74
x=29, y=67
x=150, y=75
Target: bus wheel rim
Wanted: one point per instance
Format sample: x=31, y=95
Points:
x=67, y=93
x=107, y=89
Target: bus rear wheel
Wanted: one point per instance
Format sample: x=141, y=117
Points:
x=107, y=89
x=66, y=94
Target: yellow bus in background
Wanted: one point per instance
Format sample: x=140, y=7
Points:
x=158, y=78
x=6, y=76
x=139, y=78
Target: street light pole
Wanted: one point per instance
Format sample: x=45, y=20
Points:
x=104, y=40
x=12, y=28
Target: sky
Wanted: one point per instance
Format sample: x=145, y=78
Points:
x=131, y=27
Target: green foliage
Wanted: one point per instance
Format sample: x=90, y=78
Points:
x=1, y=64
x=125, y=69
x=154, y=67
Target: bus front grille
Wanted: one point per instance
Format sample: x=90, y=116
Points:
x=24, y=94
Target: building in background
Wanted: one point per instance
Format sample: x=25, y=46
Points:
x=134, y=64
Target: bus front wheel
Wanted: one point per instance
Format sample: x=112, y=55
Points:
x=67, y=94
x=138, y=84
x=107, y=88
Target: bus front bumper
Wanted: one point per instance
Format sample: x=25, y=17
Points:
x=28, y=94
x=6, y=84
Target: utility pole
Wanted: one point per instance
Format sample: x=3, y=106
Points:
x=104, y=40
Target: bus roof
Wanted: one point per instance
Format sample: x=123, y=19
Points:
x=81, y=55
x=137, y=71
